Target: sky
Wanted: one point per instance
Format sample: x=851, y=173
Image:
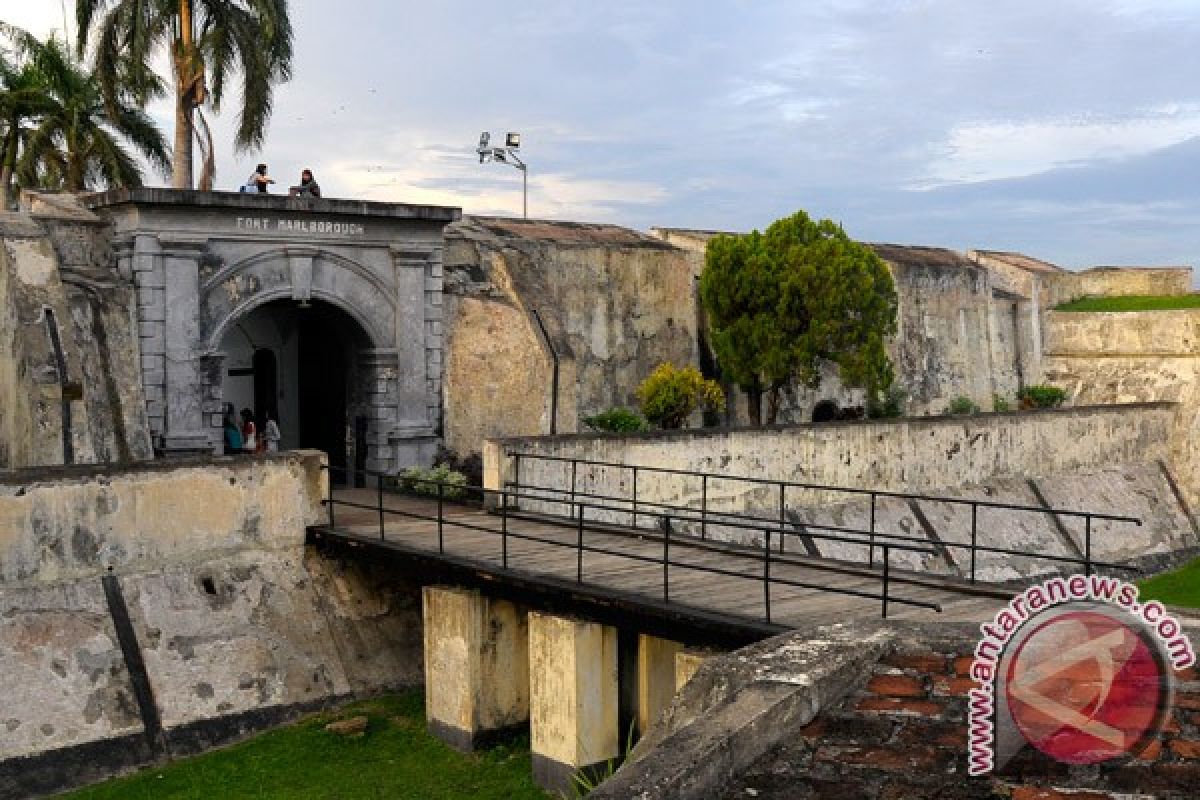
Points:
x=1068, y=130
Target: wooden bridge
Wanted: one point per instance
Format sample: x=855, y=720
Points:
x=675, y=585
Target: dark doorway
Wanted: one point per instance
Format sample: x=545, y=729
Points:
x=326, y=351
x=266, y=385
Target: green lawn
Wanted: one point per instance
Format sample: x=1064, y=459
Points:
x=1133, y=303
x=1178, y=588
x=396, y=758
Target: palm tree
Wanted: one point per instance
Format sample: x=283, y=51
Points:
x=206, y=40
x=22, y=97
x=76, y=141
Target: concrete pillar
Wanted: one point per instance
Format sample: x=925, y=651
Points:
x=686, y=664
x=476, y=666
x=655, y=677
x=572, y=698
x=185, y=431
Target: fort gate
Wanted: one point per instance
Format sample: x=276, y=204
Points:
x=325, y=313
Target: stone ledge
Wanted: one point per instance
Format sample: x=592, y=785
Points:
x=269, y=202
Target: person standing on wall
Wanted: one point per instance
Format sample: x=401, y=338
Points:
x=249, y=432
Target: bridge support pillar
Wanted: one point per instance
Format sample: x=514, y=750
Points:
x=655, y=677
x=476, y=666
x=686, y=663
x=573, y=698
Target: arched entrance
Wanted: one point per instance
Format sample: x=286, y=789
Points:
x=311, y=366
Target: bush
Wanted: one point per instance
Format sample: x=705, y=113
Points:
x=890, y=405
x=962, y=405
x=421, y=480
x=617, y=420
x=670, y=395
x=1000, y=403
x=1041, y=397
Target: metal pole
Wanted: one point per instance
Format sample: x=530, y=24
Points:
x=504, y=529
x=379, y=496
x=871, y=533
x=666, y=558
x=574, y=468
x=886, y=561
x=704, y=506
x=517, y=472
x=579, y=548
x=782, y=514
x=1087, y=544
x=767, y=573
x=524, y=193
x=974, y=536
x=441, y=540
x=635, y=472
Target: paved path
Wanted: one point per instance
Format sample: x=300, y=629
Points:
x=628, y=563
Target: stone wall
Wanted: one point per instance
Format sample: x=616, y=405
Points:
x=615, y=303
x=79, y=400
x=1063, y=287
x=877, y=712
x=237, y=624
x=1133, y=357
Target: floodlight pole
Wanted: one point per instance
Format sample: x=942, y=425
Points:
x=507, y=155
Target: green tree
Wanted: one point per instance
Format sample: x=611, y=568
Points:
x=670, y=395
x=782, y=302
x=22, y=97
x=206, y=40
x=77, y=142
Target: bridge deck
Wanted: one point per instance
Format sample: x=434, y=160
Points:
x=738, y=596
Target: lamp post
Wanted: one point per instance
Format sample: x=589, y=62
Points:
x=507, y=155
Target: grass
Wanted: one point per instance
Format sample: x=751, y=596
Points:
x=1178, y=588
x=1133, y=303
x=395, y=759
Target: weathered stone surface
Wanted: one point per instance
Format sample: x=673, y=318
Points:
x=615, y=304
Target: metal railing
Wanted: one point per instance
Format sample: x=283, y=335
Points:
x=580, y=523
x=871, y=535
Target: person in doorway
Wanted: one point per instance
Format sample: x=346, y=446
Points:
x=258, y=180
x=249, y=432
x=271, y=434
x=233, y=436
x=308, y=186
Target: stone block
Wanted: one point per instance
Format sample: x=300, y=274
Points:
x=152, y=346
x=573, y=699
x=476, y=665
x=656, y=666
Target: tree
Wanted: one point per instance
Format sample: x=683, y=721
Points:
x=670, y=395
x=205, y=39
x=782, y=302
x=76, y=143
x=22, y=97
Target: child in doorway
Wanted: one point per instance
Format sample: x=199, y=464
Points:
x=249, y=432
x=271, y=434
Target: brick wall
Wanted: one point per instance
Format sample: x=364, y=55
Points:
x=903, y=735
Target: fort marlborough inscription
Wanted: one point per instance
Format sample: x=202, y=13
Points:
x=305, y=226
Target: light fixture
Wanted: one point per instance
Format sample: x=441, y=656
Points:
x=507, y=155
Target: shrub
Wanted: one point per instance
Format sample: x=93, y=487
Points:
x=962, y=405
x=1041, y=396
x=421, y=480
x=1000, y=403
x=890, y=405
x=617, y=420
x=671, y=394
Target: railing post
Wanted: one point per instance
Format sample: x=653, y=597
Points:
x=441, y=498
x=666, y=558
x=974, y=536
x=886, y=563
x=504, y=528
x=871, y=534
x=704, y=506
x=330, y=498
x=1087, y=544
x=767, y=573
x=516, y=472
x=782, y=513
x=579, y=547
x=379, y=497
x=635, y=473
x=574, y=467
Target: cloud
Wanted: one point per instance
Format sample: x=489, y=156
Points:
x=999, y=150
